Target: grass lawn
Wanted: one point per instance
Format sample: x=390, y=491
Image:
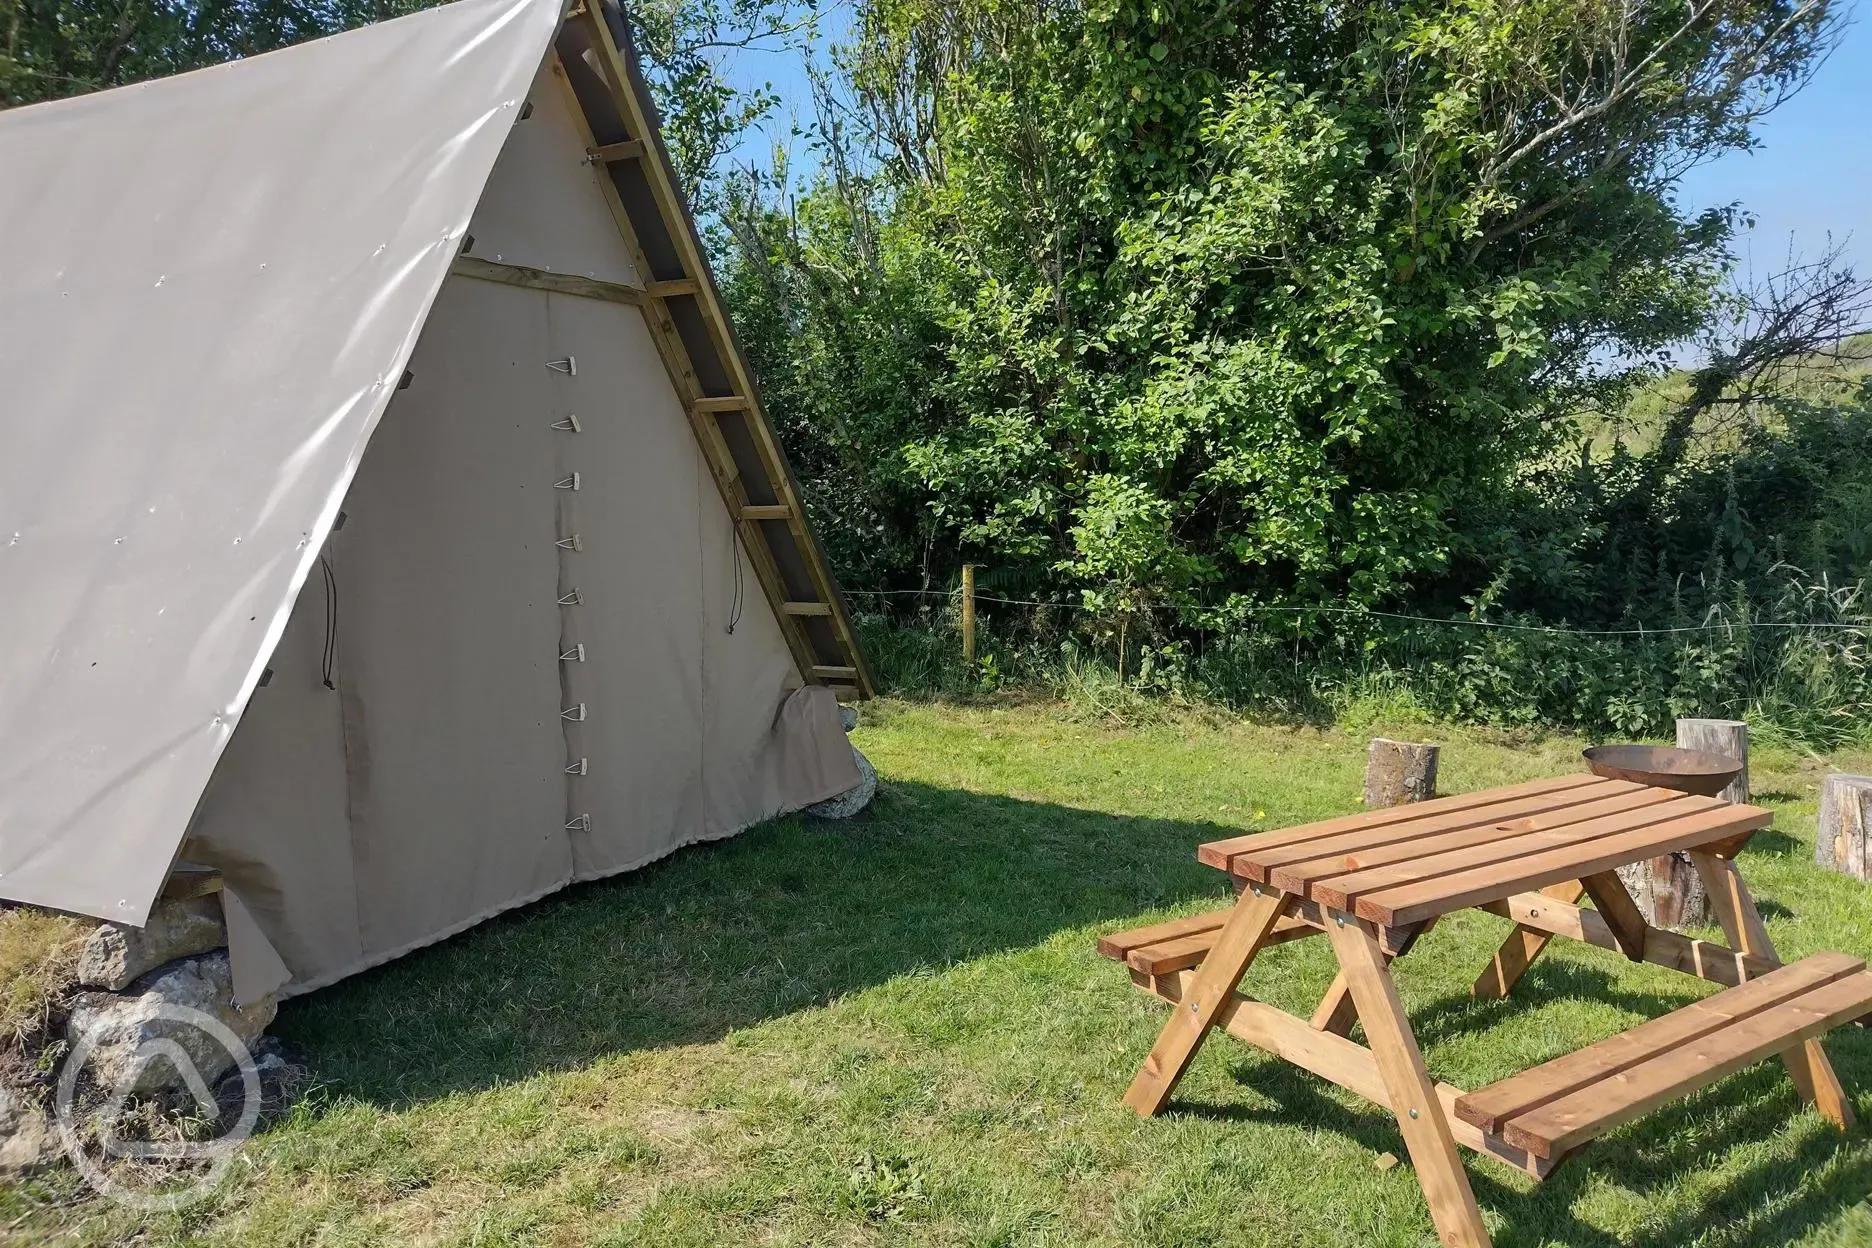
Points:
x=897, y=1032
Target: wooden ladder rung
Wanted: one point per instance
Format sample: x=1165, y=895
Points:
x=806, y=608
x=827, y=672
x=721, y=403
x=190, y=879
x=1556, y=1107
x=629, y=149
x=766, y=511
x=672, y=288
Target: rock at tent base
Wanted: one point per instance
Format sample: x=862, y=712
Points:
x=848, y=717
x=129, y=1033
x=115, y=953
x=852, y=800
x=26, y=1138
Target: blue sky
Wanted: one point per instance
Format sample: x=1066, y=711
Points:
x=1811, y=175
x=1813, y=170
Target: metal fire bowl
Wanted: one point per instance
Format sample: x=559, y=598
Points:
x=1688, y=771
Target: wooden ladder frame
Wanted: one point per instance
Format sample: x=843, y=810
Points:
x=594, y=60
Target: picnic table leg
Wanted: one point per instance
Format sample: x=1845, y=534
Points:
x=1523, y=945
x=1336, y=1012
x=1807, y=1062
x=1414, y=1099
x=1242, y=937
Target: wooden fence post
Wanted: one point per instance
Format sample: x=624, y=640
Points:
x=1399, y=771
x=1845, y=825
x=968, y=613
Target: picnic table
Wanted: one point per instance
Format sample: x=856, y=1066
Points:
x=1374, y=882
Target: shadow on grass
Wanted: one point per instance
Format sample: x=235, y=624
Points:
x=1775, y=842
x=796, y=913
x=789, y=915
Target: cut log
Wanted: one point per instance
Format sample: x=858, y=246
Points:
x=1719, y=736
x=1397, y=772
x=1845, y=825
x=1668, y=889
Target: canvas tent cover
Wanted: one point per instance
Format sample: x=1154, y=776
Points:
x=210, y=287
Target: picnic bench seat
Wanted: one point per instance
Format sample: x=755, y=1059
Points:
x=1182, y=944
x=1552, y=1109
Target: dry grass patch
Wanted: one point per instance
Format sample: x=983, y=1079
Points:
x=38, y=961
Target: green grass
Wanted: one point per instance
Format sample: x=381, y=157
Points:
x=896, y=1032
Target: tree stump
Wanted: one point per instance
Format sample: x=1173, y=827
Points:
x=1397, y=772
x=1845, y=825
x=1719, y=736
x=1668, y=890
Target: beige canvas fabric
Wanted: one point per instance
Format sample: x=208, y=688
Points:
x=437, y=779
x=208, y=288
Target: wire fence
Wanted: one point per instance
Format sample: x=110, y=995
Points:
x=1448, y=621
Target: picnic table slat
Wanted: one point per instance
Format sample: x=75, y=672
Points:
x=1307, y=859
x=1218, y=853
x=1489, y=1107
x=1331, y=880
x=1564, y=1124
x=1423, y=899
x=1342, y=891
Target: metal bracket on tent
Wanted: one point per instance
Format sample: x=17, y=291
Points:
x=580, y=824
x=526, y=110
x=568, y=483
x=407, y=378
x=573, y=599
x=570, y=543
x=580, y=768
x=574, y=713
x=575, y=655
x=568, y=366
x=569, y=425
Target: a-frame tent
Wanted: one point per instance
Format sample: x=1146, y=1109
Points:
x=381, y=494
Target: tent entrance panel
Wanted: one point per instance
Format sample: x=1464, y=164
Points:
x=448, y=629
x=425, y=788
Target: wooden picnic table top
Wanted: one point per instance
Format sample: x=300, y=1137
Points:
x=1405, y=864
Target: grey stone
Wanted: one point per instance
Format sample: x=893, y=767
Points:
x=116, y=954
x=129, y=1033
x=848, y=717
x=26, y=1138
x=852, y=800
